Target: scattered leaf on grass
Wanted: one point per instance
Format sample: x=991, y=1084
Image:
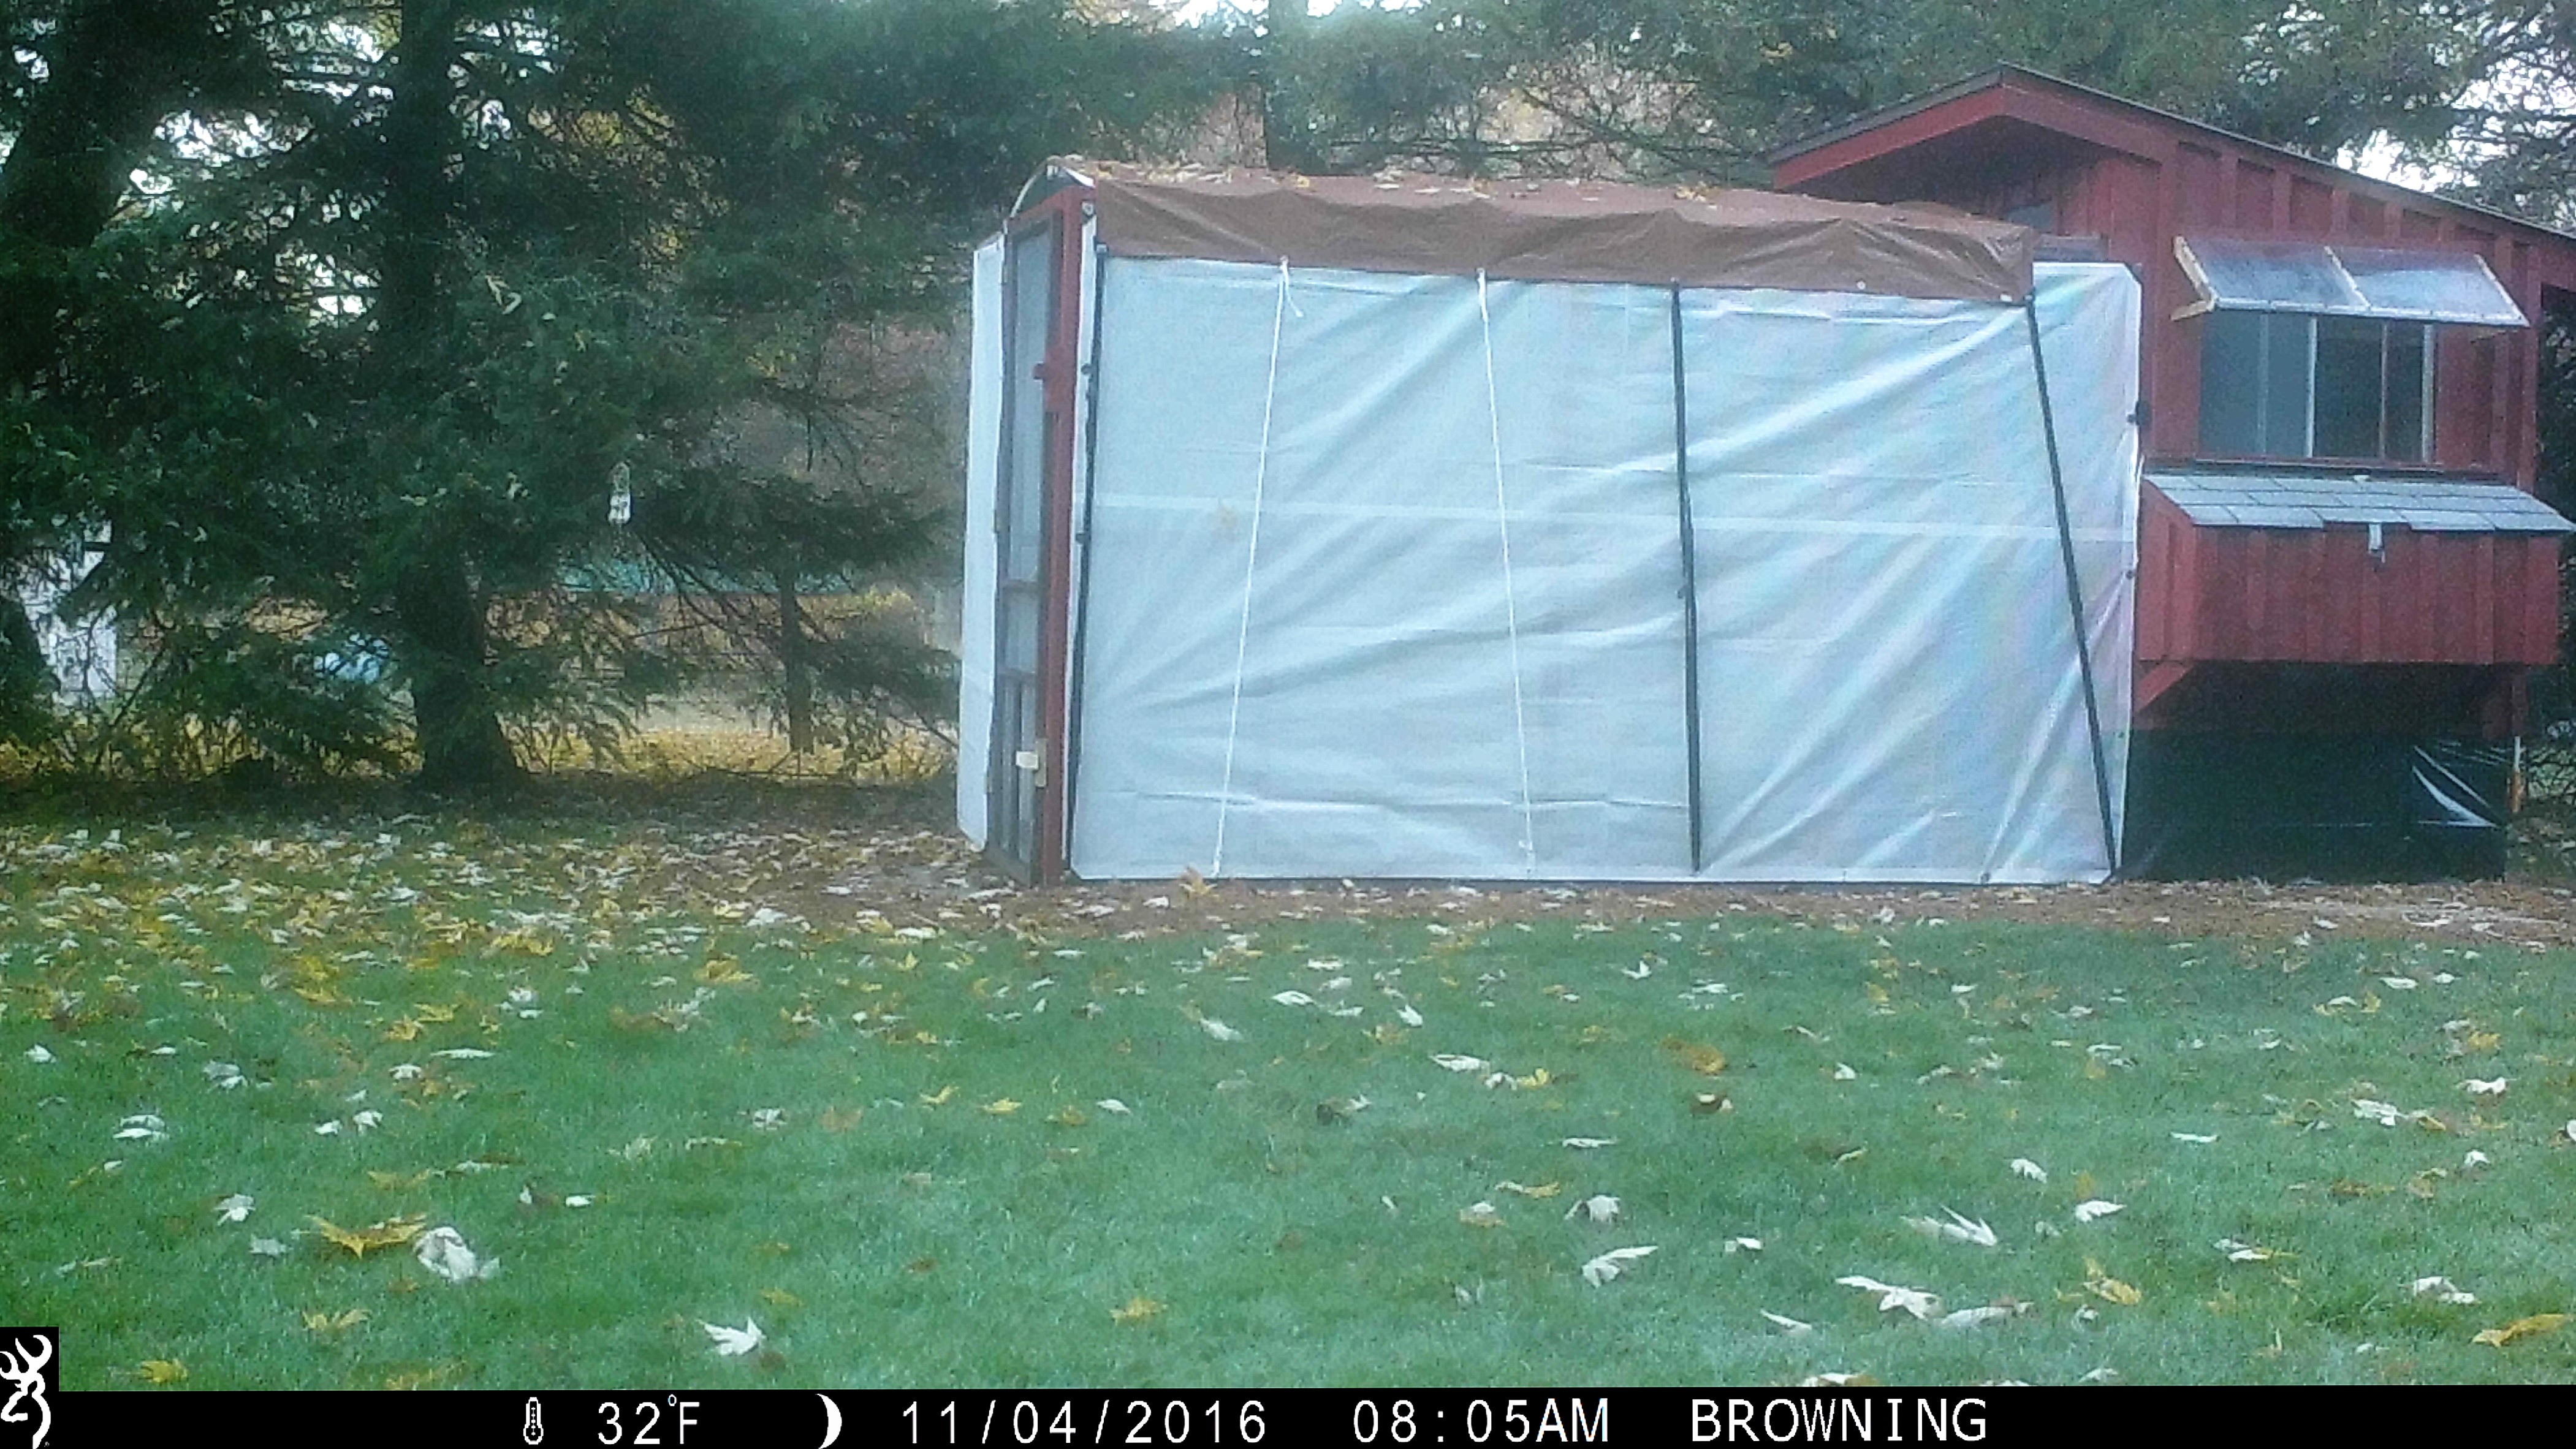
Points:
x=442, y=1251
x=325, y=1321
x=1218, y=1029
x=1892, y=1298
x=2024, y=1167
x=1843, y=1072
x=1543, y=1190
x=2200, y=1139
x=268, y=1247
x=1598, y=1208
x=1458, y=1063
x=1957, y=1230
x=780, y=1298
x=358, y=1242
x=1480, y=1215
x=2102, y=1285
x=1112, y=1106
x=940, y=1098
x=2093, y=1209
x=1788, y=1325
x=161, y=1371
x=234, y=1208
x=1706, y=1060
x=2490, y=1087
x=1135, y=1310
x=1744, y=1245
x=2442, y=1290
x=999, y=1107
x=1586, y=1144
x=1974, y=1317
x=735, y=1342
x=2242, y=1252
x=1611, y=1264
x=2531, y=1327
x=39, y=1055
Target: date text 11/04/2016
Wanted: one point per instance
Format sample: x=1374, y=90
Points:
x=1173, y=1421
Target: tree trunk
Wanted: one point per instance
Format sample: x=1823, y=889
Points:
x=1286, y=142
x=446, y=644
x=791, y=658
x=116, y=69
x=446, y=641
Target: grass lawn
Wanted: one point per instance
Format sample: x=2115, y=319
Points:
x=896, y=1149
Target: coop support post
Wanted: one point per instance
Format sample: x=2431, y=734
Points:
x=2074, y=587
x=1690, y=583
x=1082, y=542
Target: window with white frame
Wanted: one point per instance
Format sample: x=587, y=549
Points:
x=2286, y=385
x=2327, y=352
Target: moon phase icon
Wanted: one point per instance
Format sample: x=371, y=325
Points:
x=831, y=1421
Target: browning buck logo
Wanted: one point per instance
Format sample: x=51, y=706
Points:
x=28, y=1373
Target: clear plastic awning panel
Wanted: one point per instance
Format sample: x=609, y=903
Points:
x=2342, y=281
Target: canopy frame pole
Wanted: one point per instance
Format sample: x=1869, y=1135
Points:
x=1082, y=542
x=2074, y=588
x=1511, y=603
x=1690, y=583
x=1251, y=561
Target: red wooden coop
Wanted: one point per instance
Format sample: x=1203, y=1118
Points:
x=2343, y=577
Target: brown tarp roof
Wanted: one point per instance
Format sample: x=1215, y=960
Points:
x=1557, y=231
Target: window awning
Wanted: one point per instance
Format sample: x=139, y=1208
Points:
x=2344, y=281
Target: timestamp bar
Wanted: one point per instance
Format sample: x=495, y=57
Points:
x=1065, y=1418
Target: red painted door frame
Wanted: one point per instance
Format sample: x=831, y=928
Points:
x=1066, y=211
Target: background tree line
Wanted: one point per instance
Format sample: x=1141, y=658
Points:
x=409, y=367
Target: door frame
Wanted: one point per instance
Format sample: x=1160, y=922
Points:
x=1065, y=212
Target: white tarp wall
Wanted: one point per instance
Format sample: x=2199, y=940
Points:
x=1889, y=682
x=1388, y=580
x=975, y=612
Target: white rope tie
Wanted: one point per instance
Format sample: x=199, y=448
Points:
x=1511, y=606
x=1252, y=557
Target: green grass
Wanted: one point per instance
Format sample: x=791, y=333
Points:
x=881, y=1239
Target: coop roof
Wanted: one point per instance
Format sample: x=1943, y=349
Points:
x=1569, y=231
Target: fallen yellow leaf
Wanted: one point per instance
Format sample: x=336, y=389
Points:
x=1708, y=1061
x=161, y=1370
x=722, y=971
x=999, y=1107
x=325, y=1321
x=403, y=1030
x=780, y=1298
x=2531, y=1327
x=1069, y=1117
x=1138, y=1309
x=2107, y=1288
x=940, y=1098
x=391, y=1233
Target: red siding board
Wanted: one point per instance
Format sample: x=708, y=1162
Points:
x=2481, y=633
